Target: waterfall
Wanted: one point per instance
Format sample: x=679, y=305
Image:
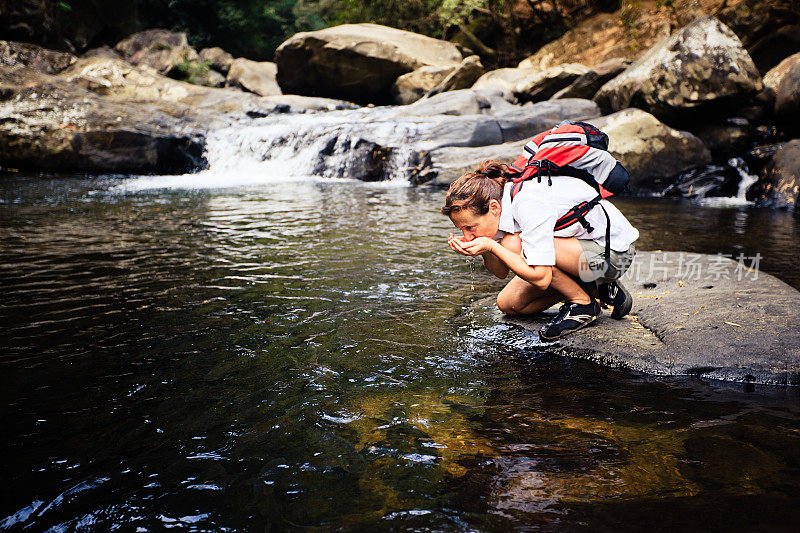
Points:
x=747, y=179
x=369, y=145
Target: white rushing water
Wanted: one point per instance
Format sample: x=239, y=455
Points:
x=746, y=180
x=365, y=144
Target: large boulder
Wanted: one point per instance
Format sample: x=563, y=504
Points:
x=159, y=49
x=769, y=29
x=49, y=123
x=543, y=85
x=13, y=53
x=787, y=96
x=465, y=75
x=410, y=87
x=781, y=185
x=700, y=67
x=652, y=152
x=587, y=85
x=255, y=76
x=357, y=62
x=217, y=58
x=776, y=74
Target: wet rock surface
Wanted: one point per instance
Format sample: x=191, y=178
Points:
x=694, y=314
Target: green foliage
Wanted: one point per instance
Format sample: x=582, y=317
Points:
x=458, y=12
x=503, y=31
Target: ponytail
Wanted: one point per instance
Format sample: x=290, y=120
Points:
x=475, y=189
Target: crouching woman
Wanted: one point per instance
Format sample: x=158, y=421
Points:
x=551, y=265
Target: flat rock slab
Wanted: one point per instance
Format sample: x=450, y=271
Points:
x=695, y=314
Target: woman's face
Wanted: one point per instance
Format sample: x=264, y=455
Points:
x=473, y=225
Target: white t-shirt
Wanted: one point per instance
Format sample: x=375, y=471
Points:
x=537, y=206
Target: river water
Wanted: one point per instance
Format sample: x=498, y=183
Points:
x=308, y=354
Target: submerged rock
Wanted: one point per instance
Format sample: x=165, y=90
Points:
x=652, y=152
x=357, y=62
x=695, y=314
x=702, y=66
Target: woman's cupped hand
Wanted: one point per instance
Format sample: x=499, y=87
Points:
x=470, y=248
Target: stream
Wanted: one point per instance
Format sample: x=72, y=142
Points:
x=298, y=353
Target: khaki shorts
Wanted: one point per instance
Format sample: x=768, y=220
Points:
x=595, y=254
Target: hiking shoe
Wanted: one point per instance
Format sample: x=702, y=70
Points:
x=571, y=317
x=617, y=296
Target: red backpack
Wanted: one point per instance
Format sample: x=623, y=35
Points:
x=563, y=151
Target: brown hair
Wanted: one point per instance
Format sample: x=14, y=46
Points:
x=476, y=188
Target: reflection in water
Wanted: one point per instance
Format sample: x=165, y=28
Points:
x=309, y=354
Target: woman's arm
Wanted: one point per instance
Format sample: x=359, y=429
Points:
x=510, y=241
x=492, y=263
x=539, y=276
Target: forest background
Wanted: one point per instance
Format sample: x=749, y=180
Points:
x=502, y=32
